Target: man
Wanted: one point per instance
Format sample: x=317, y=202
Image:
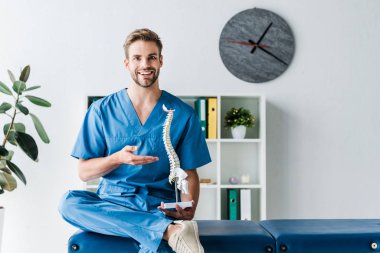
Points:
x=121, y=141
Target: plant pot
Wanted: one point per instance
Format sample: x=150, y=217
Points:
x=2, y=211
x=238, y=132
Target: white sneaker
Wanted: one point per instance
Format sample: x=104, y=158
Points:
x=186, y=240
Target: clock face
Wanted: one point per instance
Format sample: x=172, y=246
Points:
x=256, y=45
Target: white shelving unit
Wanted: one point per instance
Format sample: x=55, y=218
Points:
x=234, y=158
x=231, y=158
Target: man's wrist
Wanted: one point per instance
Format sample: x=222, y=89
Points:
x=114, y=159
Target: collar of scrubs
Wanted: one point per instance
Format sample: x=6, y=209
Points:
x=154, y=116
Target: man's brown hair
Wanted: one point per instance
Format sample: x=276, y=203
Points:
x=142, y=34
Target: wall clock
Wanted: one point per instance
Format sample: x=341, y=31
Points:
x=256, y=45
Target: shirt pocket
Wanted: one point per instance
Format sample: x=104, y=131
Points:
x=116, y=144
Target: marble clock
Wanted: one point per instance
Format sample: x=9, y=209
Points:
x=256, y=45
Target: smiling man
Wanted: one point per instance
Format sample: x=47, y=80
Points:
x=121, y=142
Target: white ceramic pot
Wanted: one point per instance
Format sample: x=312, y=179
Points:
x=2, y=211
x=238, y=132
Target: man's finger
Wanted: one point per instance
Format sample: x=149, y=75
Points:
x=130, y=148
x=170, y=213
x=138, y=160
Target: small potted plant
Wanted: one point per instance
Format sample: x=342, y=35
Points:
x=238, y=120
x=14, y=131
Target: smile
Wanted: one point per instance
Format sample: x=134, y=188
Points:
x=145, y=72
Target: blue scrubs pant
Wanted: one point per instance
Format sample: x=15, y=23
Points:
x=87, y=211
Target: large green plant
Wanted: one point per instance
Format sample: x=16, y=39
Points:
x=15, y=132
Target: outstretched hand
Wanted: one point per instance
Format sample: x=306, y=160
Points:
x=179, y=213
x=126, y=156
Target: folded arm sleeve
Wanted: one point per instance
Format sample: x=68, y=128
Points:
x=192, y=148
x=90, y=142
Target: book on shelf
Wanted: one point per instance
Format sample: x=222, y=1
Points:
x=245, y=204
x=212, y=123
x=201, y=109
x=233, y=204
x=239, y=204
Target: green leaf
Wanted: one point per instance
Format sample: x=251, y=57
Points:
x=13, y=167
x=38, y=101
x=4, y=89
x=7, y=182
x=3, y=163
x=6, y=170
x=40, y=129
x=10, y=155
x=11, y=76
x=19, y=86
x=19, y=127
x=25, y=74
x=32, y=88
x=5, y=107
x=16, y=127
x=3, y=151
x=11, y=138
x=22, y=108
x=3, y=180
x=27, y=144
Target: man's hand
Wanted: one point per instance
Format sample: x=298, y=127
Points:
x=179, y=213
x=97, y=167
x=125, y=156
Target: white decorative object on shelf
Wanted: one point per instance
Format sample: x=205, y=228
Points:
x=238, y=132
x=245, y=179
x=233, y=180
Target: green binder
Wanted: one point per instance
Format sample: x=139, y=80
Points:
x=233, y=204
x=200, y=105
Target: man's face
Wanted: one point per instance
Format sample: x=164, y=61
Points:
x=144, y=63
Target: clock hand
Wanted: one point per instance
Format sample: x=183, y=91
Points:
x=265, y=32
x=250, y=43
x=266, y=51
x=262, y=36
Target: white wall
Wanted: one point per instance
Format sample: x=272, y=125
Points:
x=323, y=112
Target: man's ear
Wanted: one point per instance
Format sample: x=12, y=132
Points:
x=161, y=60
x=126, y=62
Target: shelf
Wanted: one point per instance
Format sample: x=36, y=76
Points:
x=240, y=140
x=208, y=186
x=241, y=186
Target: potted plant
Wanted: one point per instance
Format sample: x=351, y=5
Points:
x=15, y=131
x=238, y=120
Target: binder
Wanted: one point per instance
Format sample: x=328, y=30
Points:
x=233, y=204
x=212, y=118
x=200, y=108
x=245, y=204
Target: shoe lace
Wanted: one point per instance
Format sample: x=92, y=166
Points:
x=181, y=246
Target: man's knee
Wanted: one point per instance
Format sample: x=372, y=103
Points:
x=70, y=201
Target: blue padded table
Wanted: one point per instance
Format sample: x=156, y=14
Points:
x=216, y=236
x=87, y=242
x=325, y=236
x=234, y=236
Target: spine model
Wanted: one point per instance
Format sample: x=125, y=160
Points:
x=177, y=175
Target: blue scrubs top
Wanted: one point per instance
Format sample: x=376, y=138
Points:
x=111, y=124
